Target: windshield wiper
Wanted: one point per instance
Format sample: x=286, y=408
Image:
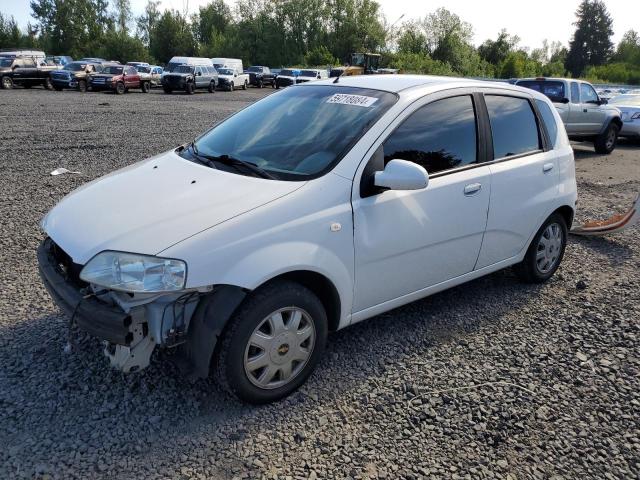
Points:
x=230, y=161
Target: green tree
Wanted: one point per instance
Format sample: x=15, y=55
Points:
x=628, y=50
x=12, y=37
x=320, y=56
x=122, y=14
x=148, y=20
x=170, y=36
x=211, y=20
x=412, y=39
x=591, y=43
x=496, y=51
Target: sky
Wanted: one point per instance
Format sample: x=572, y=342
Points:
x=533, y=22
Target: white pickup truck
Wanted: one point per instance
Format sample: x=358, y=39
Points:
x=230, y=79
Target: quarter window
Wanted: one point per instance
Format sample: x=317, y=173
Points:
x=588, y=94
x=549, y=121
x=513, y=126
x=439, y=136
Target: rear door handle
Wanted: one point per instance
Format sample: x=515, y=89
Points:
x=547, y=167
x=472, y=189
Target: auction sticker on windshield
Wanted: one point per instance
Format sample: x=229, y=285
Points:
x=357, y=100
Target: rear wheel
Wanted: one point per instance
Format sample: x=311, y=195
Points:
x=120, y=88
x=7, y=83
x=82, y=86
x=48, y=84
x=273, y=343
x=545, y=252
x=606, y=142
x=212, y=87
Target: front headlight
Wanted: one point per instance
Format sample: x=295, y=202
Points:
x=130, y=272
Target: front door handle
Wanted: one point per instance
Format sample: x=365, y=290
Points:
x=472, y=189
x=547, y=167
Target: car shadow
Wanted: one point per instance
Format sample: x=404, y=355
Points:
x=616, y=252
x=86, y=391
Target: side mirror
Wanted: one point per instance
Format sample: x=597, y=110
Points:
x=402, y=175
x=199, y=74
x=603, y=101
x=564, y=100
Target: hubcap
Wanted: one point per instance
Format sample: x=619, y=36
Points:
x=549, y=248
x=279, y=348
x=611, y=138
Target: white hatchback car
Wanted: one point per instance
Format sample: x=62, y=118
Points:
x=246, y=247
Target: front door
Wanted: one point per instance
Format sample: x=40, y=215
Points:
x=593, y=115
x=406, y=241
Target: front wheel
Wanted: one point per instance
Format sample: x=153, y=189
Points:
x=606, y=142
x=48, y=84
x=231, y=87
x=545, y=252
x=7, y=83
x=190, y=88
x=120, y=88
x=82, y=86
x=273, y=343
x=244, y=87
x=145, y=87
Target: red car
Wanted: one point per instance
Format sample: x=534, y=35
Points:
x=118, y=78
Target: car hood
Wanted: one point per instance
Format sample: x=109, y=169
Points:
x=154, y=204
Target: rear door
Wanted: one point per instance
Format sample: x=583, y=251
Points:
x=524, y=176
x=406, y=241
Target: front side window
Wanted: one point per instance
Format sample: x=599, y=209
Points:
x=549, y=121
x=575, y=92
x=303, y=131
x=439, y=136
x=588, y=94
x=513, y=125
x=28, y=63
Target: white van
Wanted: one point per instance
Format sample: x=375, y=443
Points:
x=312, y=74
x=175, y=61
x=230, y=63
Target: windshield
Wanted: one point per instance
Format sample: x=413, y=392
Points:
x=254, y=69
x=286, y=73
x=112, y=70
x=172, y=66
x=304, y=131
x=552, y=89
x=308, y=73
x=143, y=69
x=75, y=67
x=225, y=71
x=183, y=69
x=633, y=100
x=6, y=62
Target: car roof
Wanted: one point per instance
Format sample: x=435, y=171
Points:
x=397, y=83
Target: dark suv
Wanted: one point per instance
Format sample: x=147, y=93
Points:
x=74, y=75
x=25, y=71
x=260, y=76
x=189, y=78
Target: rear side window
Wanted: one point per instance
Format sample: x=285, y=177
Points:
x=513, y=126
x=575, y=92
x=439, y=136
x=549, y=121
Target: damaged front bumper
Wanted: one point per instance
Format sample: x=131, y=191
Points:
x=130, y=326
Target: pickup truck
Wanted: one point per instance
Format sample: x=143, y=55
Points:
x=25, y=71
x=119, y=79
x=260, y=76
x=586, y=116
x=229, y=79
x=74, y=75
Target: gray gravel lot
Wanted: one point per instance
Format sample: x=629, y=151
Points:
x=493, y=379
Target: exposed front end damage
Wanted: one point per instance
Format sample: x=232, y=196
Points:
x=133, y=325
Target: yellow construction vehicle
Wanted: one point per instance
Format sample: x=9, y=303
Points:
x=360, y=64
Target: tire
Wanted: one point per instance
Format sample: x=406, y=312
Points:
x=254, y=319
x=277, y=86
x=606, y=142
x=82, y=86
x=244, y=87
x=57, y=89
x=546, y=251
x=231, y=87
x=145, y=87
x=120, y=88
x=260, y=83
x=7, y=83
x=190, y=88
x=167, y=90
x=48, y=84
x=212, y=87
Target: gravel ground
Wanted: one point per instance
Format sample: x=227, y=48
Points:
x=493, y=379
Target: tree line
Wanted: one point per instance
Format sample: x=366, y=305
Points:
x=321, y=32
